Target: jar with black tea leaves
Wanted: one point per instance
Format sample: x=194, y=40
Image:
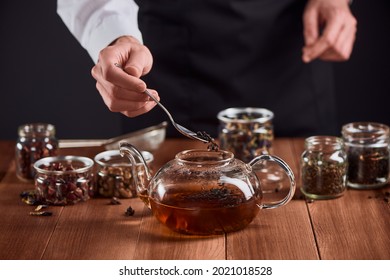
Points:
x=323, y=167
x=367, y=147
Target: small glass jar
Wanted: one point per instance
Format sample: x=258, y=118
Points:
x=114, y=175
x=246, y=132
x=323, y=167
x=35, y=141
x=63, y=180
x=367, y=147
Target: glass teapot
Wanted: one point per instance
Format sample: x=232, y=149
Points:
x=205, y=192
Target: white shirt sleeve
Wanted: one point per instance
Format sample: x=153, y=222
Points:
x=96, y=23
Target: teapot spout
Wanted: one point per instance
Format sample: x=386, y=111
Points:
x=136, y=158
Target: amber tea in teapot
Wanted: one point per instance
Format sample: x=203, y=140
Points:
x=205, y=210
x=206, y=192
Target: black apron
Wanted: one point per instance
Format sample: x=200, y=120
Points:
x=210, y=55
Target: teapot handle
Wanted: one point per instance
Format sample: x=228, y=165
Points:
x=131, y=152
x=289, y=173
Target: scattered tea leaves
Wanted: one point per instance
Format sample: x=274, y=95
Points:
x=129, y=211
x=41, y=213
x=115, y=201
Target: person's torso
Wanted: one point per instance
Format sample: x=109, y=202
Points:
x=213, y=54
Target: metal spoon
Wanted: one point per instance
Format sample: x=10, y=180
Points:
x=180, y=128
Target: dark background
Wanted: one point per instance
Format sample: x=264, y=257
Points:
x=45, y=73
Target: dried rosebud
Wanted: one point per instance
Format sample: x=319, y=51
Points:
x=129, y=211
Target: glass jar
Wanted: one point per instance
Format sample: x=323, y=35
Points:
x=114, y=174
x=35, y=141
x=323, y=167
x=367, y=147
x=246, y=132
x=63, y=180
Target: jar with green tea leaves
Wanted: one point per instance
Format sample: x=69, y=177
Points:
x=367, y=147
x=323, y=167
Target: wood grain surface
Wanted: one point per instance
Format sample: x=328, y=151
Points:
x=354, y=226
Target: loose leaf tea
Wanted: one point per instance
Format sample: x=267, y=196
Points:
x=41, y=213
x=40, y=207
x=117, y=181
x=37, y=211
x=367, y=147
x=29, y=197
x=368, y=165
x=246, y=140
x=385, y=196
x=115, y=201
x=229, y=198
x=213, y=146
x=129, y=211
x=323, y=167
x=323, y=178
x=114, y=176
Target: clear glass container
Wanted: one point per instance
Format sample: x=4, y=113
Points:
x=206, y=192
x=63, y=180
x=323, y=167
x=114, y=174
x=35, y=141
x=246, y=132
x=367, y=147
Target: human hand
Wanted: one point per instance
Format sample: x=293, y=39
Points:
x=335, y=41
x=121, y=88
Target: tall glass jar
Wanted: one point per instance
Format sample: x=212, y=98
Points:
x=246, y=132
x=367, y=147
x=35, y=141
x=323, y=167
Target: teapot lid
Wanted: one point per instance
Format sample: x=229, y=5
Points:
x=201, y=156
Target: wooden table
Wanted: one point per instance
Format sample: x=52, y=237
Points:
x=355, y=226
